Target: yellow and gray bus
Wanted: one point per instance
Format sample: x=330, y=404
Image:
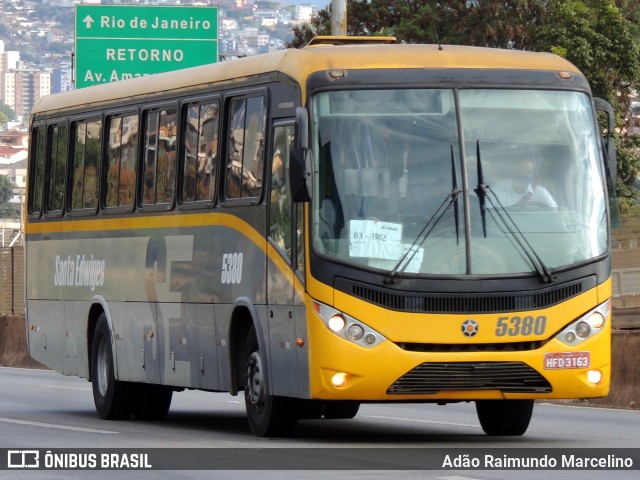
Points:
x=355, y=221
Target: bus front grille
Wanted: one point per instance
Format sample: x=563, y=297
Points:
x=457, y=303
x=508, y=377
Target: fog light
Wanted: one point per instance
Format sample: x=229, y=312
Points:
x=583, y=330
x=336, y=323
x=570, y=337
x=370, y=339
x=339, y=379
x=355, y=332
x=594, y=376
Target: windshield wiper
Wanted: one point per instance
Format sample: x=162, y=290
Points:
x=454, y=188
x=450, y=200
x=510, y=227
x=480, y=191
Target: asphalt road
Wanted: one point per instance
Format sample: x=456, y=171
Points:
x=40, y=409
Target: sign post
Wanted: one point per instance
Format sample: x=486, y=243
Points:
x=115, y=42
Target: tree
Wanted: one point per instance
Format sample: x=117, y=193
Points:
x=320, y=25
x=481, y=22
x=6, y=113
x=6, y=189
x=6, y=194
x=596, y=36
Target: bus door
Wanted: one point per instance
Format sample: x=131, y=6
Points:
x=286, y=320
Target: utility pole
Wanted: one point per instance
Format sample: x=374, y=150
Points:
x=338, y=17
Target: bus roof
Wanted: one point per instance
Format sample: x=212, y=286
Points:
x=300, y=63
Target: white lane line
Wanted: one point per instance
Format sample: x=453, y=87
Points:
x=87, y=389
x=456, y=478
x=51, y=425
x=421, y=421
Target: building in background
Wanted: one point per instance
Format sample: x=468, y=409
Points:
x=21, y=89
x=8, y=60
x=62, y=78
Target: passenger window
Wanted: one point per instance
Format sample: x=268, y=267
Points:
x=245, y=154
x=280, y=213
x=57, y=168
x=200, y=152
x=86, y=161
x=37, y=170
x=160, y=157
x=121, y=161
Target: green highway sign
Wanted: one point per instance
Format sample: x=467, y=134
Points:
x=115, y=42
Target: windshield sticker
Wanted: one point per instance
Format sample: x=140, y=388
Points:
x=411, y=262
x=371, y=239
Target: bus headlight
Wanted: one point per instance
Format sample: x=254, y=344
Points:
x=355, y=332
x=347, y=327
x=583, y=329
x=586, y=326
x=336, y=323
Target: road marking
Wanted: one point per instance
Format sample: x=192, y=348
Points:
x=456, y=478
x=51, y=425
x=86, y=389
x=421, y=421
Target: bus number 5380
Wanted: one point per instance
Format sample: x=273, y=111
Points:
x=231, y=268
x=525, y=326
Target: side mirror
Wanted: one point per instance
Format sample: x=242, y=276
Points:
x=300, y=174
x=300, y=165
x=609, y=146
x=302, y=127
x=609, y=151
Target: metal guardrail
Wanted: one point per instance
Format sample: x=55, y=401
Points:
x=12, y=291
x=10, y=234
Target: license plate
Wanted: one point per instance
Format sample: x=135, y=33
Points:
x=562, y=360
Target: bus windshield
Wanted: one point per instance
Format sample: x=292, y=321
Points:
x=455, y=182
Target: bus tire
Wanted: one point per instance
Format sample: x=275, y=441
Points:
x=113, y=399
x=504, y=417
x=152, y=402
x=268, y=415
x=310, y=409
x=341, y=409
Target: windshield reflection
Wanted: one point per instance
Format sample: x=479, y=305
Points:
x=386, y=160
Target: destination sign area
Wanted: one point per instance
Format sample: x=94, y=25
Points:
x=115, y=42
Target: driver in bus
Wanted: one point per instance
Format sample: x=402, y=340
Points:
x=521, y=188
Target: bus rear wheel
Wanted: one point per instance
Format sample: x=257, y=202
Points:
x=113, y=399
x=268, y=415
x=504, y=417
x=152, y=402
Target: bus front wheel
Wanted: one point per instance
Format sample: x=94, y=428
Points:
x=504, y=417
x=268, y=415
x=341, y=409
x=113, y=399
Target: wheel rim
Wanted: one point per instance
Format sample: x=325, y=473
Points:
x=254, y=391
x=102, y=368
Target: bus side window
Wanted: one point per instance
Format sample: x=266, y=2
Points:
x=280, y=199
x=58, y=135
x=36, y=175
x=121, y=161
x=86, y=161
x=200, y=152
x=245, y=150
x=160, y=157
